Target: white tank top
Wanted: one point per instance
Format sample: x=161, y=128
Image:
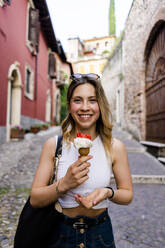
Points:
x=99, y=173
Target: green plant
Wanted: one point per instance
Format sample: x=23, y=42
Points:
x=112, y=22
x=52, y=123
x=117, y=41
x=22, y=190
x=45, y=124
x=105, y=51
x=63, y=110
x=4, y=191
x=18, y=127
x=64, y=74
x=121, y=76
x=39, y=125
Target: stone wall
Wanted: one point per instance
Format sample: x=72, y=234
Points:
x=143, y=16
x=112, y=78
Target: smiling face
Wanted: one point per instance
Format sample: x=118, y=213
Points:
x=84, y=108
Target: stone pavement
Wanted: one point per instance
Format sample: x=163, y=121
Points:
x=142, y=223
x=144, y=167
x=139, y=225
x=18, y=163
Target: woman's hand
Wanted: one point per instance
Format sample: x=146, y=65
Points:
x=93, y=198
x=76, y=174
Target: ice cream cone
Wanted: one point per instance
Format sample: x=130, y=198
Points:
x=83, y=143
x=84, y=151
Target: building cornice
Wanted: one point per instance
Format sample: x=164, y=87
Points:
x=100, y=38
x=48, y=31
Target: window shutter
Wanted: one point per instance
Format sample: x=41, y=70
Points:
x=7, y=2
x=34, y=26
x=52, y=66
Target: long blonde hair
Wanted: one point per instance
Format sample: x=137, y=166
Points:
x=104, y=123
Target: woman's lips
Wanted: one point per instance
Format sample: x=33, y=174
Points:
x=84, y=116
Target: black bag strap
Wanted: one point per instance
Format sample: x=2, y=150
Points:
x=59, y=146
x=56, y=157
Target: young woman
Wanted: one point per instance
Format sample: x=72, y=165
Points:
x=82, y=185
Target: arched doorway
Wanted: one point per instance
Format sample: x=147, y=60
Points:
x=13, y=98
x=155, y=84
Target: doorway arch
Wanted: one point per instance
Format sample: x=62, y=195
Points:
x=14, y=95
x=155, y=83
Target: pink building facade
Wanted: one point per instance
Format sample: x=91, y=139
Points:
x=31, y=65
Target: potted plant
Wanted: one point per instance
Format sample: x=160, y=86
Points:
x=52, y=123
x=17, y=132
x=44, y=126
x=35, y=128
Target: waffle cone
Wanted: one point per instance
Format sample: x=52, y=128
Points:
x=84, y=151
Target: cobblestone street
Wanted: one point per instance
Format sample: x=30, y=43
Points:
x=18, y=162
x=85, y=66
x=139, y=225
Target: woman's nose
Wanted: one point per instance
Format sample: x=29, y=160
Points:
x=85, y=105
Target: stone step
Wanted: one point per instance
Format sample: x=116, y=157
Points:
x=135, y=150
x=153, y=144
x=155, y=148
x=161, y=159
x=145, y=179
x=145, y=164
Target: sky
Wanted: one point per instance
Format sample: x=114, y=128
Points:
x=85, y=19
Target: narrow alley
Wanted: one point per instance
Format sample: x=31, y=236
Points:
x=37, y=67
x=139, y=225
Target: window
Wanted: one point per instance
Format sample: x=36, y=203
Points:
x=89, y=48
x=4, y=2
x=91, y=68
x=101, y=67
x=29, y=82
x=33, y=28
x=82, y=70
x=52, y=66
x=7, y=2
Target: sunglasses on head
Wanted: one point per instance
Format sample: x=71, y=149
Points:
x=89, y=76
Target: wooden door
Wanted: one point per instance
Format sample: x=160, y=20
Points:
x=155, y=88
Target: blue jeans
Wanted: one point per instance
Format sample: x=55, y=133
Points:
x=84, y=232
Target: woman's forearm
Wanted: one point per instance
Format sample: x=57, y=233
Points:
x=122, y=196
x=43, y=196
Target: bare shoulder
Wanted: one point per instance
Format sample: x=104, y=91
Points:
x=51, y=141
x=118, y=145
x=50, y=144
x=118, y=149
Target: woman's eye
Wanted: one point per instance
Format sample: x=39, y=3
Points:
x=93, y=100
x=77, y=100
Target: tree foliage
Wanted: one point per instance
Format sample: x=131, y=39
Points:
x=64, y=109
x=112, y=23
